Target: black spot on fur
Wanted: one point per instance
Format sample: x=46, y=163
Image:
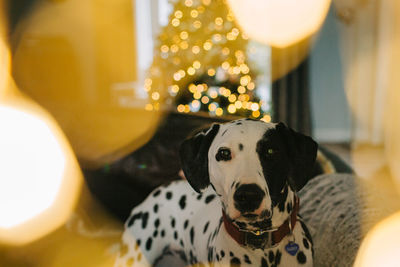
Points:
x=155, y=208
x=134, y=217
x=222, y=253
x=271, y=256
x=289, y=207
x=182, y=202
x=156, y=193
x=191, y=235
x=241, y=225
x=145, y=218
x=168, y=195
x=278, y=256
x=301, y=258
x=240, y=147
x=157, y=223
x=173, y=223
x=175, y=235
x=209, y=198
x=199, y=196
x=162, y=233
x=138, y=242
x=235, y=261
x=148, y=243
x=264, y=263
x=224, y=132
x=181, y=242
x=185, y=224
x=155, y=233
x=247, y=259
x=206, y=227
x=231, y=254
x=306, y=244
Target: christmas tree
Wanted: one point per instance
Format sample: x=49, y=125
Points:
x=200, y=57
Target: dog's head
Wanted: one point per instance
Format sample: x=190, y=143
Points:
x=255, y=168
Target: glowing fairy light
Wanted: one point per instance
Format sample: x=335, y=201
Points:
x=225, y=51
x=194, y=13
x=242, y=98
x=191, y=71
x=236, y=70
x=207, y=45
x=211, y=72
x=174, y=48
x=245, y=80
x=182, y=73
x=266, y=118
x=192, y=88
x=219, y=111
x=200, y=88
x=212, y=107
x=177, y=76
x=148, y=107
x=231, y=108
x=205, y=99
x=184, y=45
x=232, y=98
x=184, y=35
x=180, y=108
x=197, y=95
x=188, y=3
x=225, y=65
x=255, y=107
x=196, y=64
x=206, y=2
x=256, y=114
x=251, y=86
x=155, y=95
x=175, y=88
x=187, y=109
x=164, y=48
x=219, y=21
x=244, y=68
x=196, y=103
x=238, y=104
x=217, y=37
x=178, y=14
x=241, y=90
x=175, y=22
x=197, y=24
x=196, y=49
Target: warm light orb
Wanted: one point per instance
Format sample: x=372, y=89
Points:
x=381, y=246
x=32, y=167
x=279, y=23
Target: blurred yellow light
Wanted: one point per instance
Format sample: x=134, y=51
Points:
x=241, y=90
x=212, y=107
x=197, y=24
x=226, y=93
x=231, y=108
x=178, y=14
x=244, y=68
x=191, y=71
x=213, y=94
x=164, y=48
x=192, y=88
x=225, y=51
x=232, y=98
x=174, y=48
x=217, y=37
x=187, y=109
x=279, y=23
x=196, y=64
x=256, y=114
x=188, y=3
x=230, y=16
x=175, y=88
x=196, y=49
x=148, y=82
x=155, y=95
x=148, y=107
x=211, y=72
x=251, y=86
x=206, y=2
x=207, y=45
x=180, y=108
x=225, y=65
x=175, y=22
x=177, y=76
x=194, y=13
x=230, y=36
x=238, y=104
x=184, y=45
x=197, y=95
x=242, y=98
x=266, y=118
x=381, y=246
x=182, y=73
x=244, y=80
x=205, y=99
x=236, y=70
x=219, y=21
x=184, y=35
x=219, y=111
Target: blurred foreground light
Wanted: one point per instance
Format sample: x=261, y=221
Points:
x=381, y=247
x=279, y=23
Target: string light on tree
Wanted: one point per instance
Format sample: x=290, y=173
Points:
x=200, y=57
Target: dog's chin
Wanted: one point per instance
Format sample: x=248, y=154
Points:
x=252, y=222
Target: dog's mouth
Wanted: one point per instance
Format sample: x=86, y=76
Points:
x=251, y=222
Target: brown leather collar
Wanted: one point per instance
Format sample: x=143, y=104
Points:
x=261, y=240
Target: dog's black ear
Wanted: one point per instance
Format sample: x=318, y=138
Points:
x=302, y=152
x=194, y=158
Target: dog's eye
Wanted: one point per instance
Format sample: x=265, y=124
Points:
x=223, y=154
x=270, y=151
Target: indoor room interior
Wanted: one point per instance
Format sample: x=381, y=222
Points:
x=96, y=97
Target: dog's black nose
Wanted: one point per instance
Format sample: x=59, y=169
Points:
x=248, y=197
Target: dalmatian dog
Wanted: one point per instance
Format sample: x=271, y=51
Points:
x=243, y=209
